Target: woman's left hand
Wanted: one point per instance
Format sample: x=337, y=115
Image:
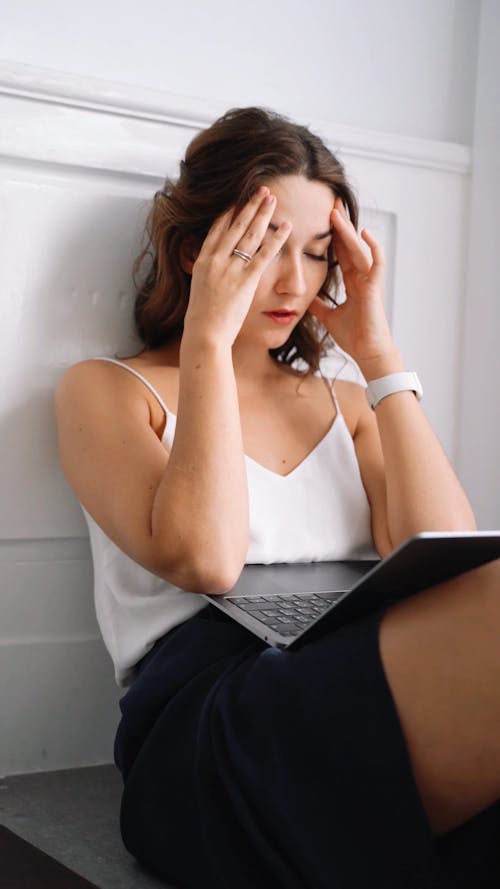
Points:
x=359, y=325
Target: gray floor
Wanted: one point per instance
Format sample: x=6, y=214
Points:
x=73, y=816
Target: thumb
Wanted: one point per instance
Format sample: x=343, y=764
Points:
x=319, y=309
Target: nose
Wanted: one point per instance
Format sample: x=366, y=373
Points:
x=291, y=277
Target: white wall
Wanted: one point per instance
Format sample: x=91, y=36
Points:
x=479, y=431
x=397, y=66
x=79, y=158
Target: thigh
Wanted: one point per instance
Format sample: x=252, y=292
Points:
x=258, y=767
x=441, y=655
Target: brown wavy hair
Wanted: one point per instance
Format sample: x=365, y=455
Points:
x=223, y=166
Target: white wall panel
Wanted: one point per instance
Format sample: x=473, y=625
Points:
x=46, y=591
x=57, y=693
x=77, y=170
x=400, y=67
x=480, y=353
x=66, y=264
x=59, y=705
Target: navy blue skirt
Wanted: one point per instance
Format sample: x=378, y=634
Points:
x=246, y=767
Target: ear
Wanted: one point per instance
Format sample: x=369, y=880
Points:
x=188, y=253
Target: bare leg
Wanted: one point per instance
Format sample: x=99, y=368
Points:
x=441, y=655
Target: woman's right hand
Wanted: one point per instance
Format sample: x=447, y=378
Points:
x=223, y=284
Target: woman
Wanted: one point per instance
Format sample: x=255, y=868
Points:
x=369, y=757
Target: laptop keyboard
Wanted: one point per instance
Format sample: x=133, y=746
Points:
x=288, y=615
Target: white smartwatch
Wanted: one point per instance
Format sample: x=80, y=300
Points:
x=376, y=390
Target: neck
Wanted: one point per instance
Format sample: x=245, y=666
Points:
x=252, y=364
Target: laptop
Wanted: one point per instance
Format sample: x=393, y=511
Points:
x=289, y=604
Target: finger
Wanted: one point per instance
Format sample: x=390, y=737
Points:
x=320, y=310
x=239, y=225
x=378, y=257
x=252, y=239
x=218, y=227
x=341, y=252
x=339, y=205
x=269, y=249
x=223, y=222
x=349, y=240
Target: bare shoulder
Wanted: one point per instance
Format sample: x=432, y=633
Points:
x=111, y=455
x=352, y=402
x=98, y=387
x=96, y=407
x=84, y=374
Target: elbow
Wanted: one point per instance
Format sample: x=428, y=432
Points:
x=214, y=583
x=194, y=575
x=209, y=567
x=211, y=580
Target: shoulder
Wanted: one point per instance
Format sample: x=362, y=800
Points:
x=98, y=388
x=85, y=372
x=86, y=379
x=352, y=403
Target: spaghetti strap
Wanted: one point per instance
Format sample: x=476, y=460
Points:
x=334, y=396
x=139, y=377
x=329, y=382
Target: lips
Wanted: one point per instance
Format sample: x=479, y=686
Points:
x=282, y=316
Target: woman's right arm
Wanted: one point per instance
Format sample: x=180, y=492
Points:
x=183, y=516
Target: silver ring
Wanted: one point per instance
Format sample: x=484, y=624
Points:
x=242, y=255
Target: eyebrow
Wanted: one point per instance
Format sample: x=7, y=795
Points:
x=318, y=237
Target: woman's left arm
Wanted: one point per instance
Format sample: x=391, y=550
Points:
x=407, y=476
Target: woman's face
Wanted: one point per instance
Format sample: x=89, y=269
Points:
x=295, y=276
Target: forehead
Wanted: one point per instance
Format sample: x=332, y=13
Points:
x=306, y=203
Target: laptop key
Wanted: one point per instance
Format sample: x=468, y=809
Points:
x=248, y=606
x=250, y=599
x=290, y=629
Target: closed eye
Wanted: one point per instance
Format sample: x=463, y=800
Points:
x=310, y=255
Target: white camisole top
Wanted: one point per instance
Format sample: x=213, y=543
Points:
x=318, y=512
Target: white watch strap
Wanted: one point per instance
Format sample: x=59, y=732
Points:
x=406, y=380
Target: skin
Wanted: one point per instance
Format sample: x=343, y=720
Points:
x=170, y=513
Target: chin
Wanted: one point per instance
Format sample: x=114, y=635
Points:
x=268, y=339
x=276, y=341
x=279, y=336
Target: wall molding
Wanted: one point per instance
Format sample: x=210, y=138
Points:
x=33, y=639
x=192, y=113
x=45, y=549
